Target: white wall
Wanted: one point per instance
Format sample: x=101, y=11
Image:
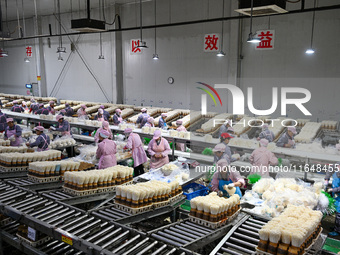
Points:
x=180, y=49
x=181, y=55
x=75, y=81
x=289, y=66
x=14, y=72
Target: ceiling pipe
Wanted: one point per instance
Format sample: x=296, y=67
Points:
x=88, y=9
x=324, y=8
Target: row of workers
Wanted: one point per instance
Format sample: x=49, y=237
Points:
x=286, y=140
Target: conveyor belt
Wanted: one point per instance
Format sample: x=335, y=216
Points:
x=242, y=238
x=85, y=231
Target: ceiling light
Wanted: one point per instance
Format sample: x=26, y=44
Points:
x=142, y=45
x=155, y=56
x=61, y=50
x=27, y=60
x=60, y=58
x=101, y=56
x=220, y=54
x=310, y=51
x=253, y=39
x=4, y=53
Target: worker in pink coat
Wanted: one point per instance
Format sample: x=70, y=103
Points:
x=180, y=128
x=106, y=152
x=50, y=108
x=105, y=126
x=81, y=112
x=150, y=122
x=158, y=149
x=138, y=153
x=226, y=177
x=261, y=158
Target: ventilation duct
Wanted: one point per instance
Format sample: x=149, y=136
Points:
x=88, y=24
x=262, y=7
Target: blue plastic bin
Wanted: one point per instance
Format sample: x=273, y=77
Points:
x=200, y=190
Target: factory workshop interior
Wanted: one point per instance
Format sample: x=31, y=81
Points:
x=181, y=127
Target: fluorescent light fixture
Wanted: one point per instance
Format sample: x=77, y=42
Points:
x=155, y=56
x=220, y=54
x=27, y=60
x=61, y=50
x=142, y=44
x=4, y=53
x=310, y=51
x=253, y=39
x=101, y=57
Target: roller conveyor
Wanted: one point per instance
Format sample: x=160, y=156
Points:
x=85, y=231
x=56, y=195
x=8, y=234
x=181, y=234
x=242, y=238
x=19, y=181
x=110, y=213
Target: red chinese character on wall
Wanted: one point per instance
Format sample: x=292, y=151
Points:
x=134, y=47
x=211, y=42
x=267, y=39
x=29, y=51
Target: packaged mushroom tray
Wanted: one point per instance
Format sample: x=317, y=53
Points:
x=7, y=149
x=5, y=142
x=62, y=142
x=294, y=232
x=213, y=211
x=48, y=171
x=83, y=183
x=146, y=196
x=20, y=161
x=329, y=124
x=168, y=173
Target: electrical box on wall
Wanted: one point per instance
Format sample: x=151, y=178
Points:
x=262, y=7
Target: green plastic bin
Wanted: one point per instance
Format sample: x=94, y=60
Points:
x=332, y=245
